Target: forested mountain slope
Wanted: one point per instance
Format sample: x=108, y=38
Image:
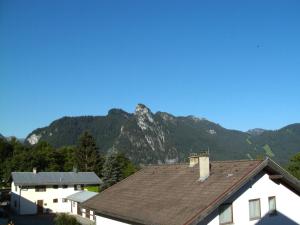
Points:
x=147, y=137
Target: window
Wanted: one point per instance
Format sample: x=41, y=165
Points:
x=272, y=205
x=225, y=214
x=64, y=200
x=15, y=203
x=16, y=188
x=254, y=209
x=55, y=186
x=25, y=188
x=40, y=188
x=55, y=200
x=65, y=186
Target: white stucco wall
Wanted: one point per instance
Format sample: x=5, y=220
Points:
x=287, y=203
x=29, y=198
x=105, y=221
x=91, y=217
x=74, y=207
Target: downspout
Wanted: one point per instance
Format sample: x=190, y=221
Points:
x=20, y=200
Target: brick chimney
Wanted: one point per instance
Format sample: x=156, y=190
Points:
x=203, y=160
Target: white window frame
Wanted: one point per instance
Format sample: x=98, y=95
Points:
x=222, y=208
x=272, y=212
x=257, y=216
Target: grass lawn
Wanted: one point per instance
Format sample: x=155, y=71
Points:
x=92, y=188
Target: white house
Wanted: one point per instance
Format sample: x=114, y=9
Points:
x=76, y=199
x=243, y=192
x=46, y=192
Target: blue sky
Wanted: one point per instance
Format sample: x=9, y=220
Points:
x=236, y=63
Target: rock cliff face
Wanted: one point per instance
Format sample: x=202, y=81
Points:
x=147, y=137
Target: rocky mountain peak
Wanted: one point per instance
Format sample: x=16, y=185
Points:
x=141, y=109
x=144, y=116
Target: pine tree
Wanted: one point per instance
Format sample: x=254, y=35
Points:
x=116, y=168
x=112, y=171
x=86, y=155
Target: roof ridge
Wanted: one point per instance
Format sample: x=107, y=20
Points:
x=212, y=161
x=173, y=164
x=239, y=160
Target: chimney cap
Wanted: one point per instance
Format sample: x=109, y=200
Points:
x=200, y=154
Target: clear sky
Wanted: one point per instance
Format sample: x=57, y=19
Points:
x=236, y=63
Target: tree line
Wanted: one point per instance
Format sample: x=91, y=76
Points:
x=85, y=157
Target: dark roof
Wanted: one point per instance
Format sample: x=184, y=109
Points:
x=173, y=194
x=81, y=196
x=55, y=178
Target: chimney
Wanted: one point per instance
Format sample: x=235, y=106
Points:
x=203, y=160
x=204, y=166
x=194, y=159
x=34, y=170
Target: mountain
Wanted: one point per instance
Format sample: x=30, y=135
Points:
x=256, y=131
x=147, y=137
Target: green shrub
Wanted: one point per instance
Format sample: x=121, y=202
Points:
x=65, y=219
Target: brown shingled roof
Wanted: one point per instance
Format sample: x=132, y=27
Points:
x=172, y=194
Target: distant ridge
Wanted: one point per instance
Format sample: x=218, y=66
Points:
x=256, y=131
x=161, y=137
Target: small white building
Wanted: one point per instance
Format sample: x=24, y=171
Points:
x=47, y=192
x=76, y=199
x=242, y=192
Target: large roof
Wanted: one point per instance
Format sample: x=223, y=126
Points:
x=81, y=196
x=55, y=178
x=173, y=194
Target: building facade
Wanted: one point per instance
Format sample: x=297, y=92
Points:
x=47, y=192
